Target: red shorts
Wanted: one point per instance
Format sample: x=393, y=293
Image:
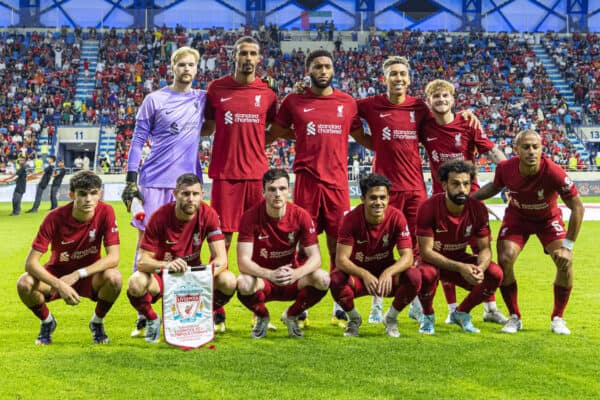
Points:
x=274, y=292
x=231, y=198
x=518, y=230
x=408, y=202
x=83, y=287
x=325, y=205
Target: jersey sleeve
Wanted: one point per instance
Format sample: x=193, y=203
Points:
x=425, y=219
x=482, y=143
x=143, y=127
x=483, y=217
x=151, y=237
x=246, y=227
x=111, y=234
x=565, y=187
x=345, y=234
x=404, y=241
x=499, y=175
x=356, y=122
x=44, y=235
x=213, y=226
x=307, y=229
x=284, y=115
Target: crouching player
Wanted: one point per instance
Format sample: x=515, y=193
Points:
x=446, y=223
x=267, y=248
x=364, y=262
x=172, y=241
x=76, y=268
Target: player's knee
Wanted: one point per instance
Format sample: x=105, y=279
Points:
x=137, y=284
x=112, y=277
x=413, y=275
x=226, y=282
x=507, y=257
x=25, y=284
x=429, y=275
x=245, y=284
x=321, y=279
x=494, y=274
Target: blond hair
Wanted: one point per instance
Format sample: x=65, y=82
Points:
x=182, y=52
x=438, y=85
x=392, y=61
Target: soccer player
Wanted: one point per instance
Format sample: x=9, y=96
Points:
x=43, y=184
x=365, y=256
x=446, y=224
x=170, y=119
x=76, y=268
x=534, y=183
x=172, y=241
x=449, y=137
x=238, y=109
x=322, y=118
x=267, y=248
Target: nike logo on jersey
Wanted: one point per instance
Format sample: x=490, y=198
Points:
x=224, y=99
x=64, y=243
x=169, y=112
x=263, y=237
x=361, y=241
x=308, y=109
x=384, y=115
x=430, y=139
x=170, y=242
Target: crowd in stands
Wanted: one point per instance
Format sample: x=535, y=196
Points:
x=496, y=75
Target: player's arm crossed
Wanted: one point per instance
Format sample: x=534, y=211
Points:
x=470, y=272
x=345, y=264
x=563, y=256
x=149, y=264
x=218, y=256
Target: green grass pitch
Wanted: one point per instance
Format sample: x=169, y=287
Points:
x=534, y=364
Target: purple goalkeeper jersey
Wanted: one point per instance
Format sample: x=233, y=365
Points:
x=171, y=122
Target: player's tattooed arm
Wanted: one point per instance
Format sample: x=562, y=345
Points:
x=218, y=256
x=208, y=127
x=487, y=191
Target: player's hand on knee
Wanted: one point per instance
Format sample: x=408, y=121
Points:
x=470, y=273
x=131, y=190
x=371, y=283
x=68, y=294
x=384, y=285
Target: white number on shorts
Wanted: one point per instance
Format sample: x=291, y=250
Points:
x=557, y=226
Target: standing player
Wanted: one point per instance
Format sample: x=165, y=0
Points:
x=57, y=178
x=449, y=137
x=267, y=245
x=534, y=183
x=43, y=184
x=170, y=119
x=322, y=118
x=365, y=256
x=76, y=232
x=446, y=224
x=238, y=109
x=172, y=241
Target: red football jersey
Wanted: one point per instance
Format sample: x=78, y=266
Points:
x=241, y=112
x=534, y=197
x=275, y=240
x=395, y=132
x=452, y=233
x=75, y=244
x=169, y=238
x=453, y=141
x=322, y=125
x=373, y=245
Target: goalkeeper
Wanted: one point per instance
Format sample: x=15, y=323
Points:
x=170, y=120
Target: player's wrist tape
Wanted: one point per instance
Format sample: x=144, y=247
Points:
x=568, y=244
x=82, y=273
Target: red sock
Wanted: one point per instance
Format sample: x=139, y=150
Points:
x=219, y=300
x=41, y=311
x=143, y=305
x=561, y=298
x=255, y=303
x=102, y=307
x=449, y=292
x=307, y=297
x=509, y=294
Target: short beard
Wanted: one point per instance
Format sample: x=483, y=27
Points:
x=319, y=85
x=459, y=201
